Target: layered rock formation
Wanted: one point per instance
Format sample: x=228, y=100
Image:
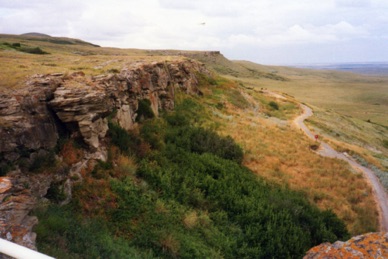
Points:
x=32, y=120
x=372, y=245
x=18, y=196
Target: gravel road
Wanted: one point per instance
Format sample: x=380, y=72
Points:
x=379, y=193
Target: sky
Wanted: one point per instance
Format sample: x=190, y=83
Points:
x=263, y=31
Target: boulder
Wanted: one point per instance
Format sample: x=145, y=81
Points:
x=371, y=245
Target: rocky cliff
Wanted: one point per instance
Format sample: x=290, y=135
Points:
x=33, y=119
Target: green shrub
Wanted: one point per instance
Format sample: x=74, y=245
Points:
x=101, y=169
x=56, y=192
x=144, y=110
x=205, y=80
x=63, y=235
x=385, y=143
x=177, y=119
x=42, y=161
x=19, y=47
x=200, y=140
x=34, y=50
x=113, y=70
x=5, y=168
x=273, y=105
x=268, y=222
x=153, y=133
x=119, y=136
x=237, y=99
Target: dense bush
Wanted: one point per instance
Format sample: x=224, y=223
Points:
x=189, y=198
x=269, y=222
x=56, y=192
x=119, y=137
x=273, y=105
x=19, y=47
x=144, y=110
x=35, y=50
x=385, y=143
x=41, y=161
x=200, y=140
x=5, y=166
x=65, y=235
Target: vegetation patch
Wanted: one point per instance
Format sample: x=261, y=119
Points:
x=273, y=105
x=56, y=192
x=5, y=167
x=385, y=143
x=188, y=197
x=144, y=110
x=25, y=48
x=41, y=161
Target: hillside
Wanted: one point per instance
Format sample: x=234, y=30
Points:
x=155, y=154
x=350, y=109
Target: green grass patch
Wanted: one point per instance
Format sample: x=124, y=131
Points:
x=385, y=143
x=24, y=48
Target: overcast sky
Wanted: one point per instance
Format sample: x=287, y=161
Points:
x=263, y=31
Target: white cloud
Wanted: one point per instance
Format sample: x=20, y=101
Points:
x=233, y=26
x=298, y=34
x=353, y=3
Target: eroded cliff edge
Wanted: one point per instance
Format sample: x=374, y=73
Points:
x=34, y=118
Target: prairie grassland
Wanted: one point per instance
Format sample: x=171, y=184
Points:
x=16, y=66
x=358, y=96
x=351, y=134
x=350, y=110
x=281, y=154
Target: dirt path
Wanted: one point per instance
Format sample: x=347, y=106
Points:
x=381, y=196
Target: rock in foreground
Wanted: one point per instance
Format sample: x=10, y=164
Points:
x=372, y=245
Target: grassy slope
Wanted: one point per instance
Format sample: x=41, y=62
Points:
x=273, y=149
x=342, y=102
x=277, y=152
x=351, y=109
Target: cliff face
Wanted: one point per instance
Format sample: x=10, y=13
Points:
x=32, y=120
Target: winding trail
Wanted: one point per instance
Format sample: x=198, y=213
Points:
x=325, y=150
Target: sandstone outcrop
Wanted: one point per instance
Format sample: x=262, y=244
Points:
x=33, y=119
x=372, y=245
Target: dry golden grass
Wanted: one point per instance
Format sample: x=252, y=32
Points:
x=190, y=220
x=169, y=243
x=126, y=166
x=15, y=66
x=363, y=97
x=71, y=153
